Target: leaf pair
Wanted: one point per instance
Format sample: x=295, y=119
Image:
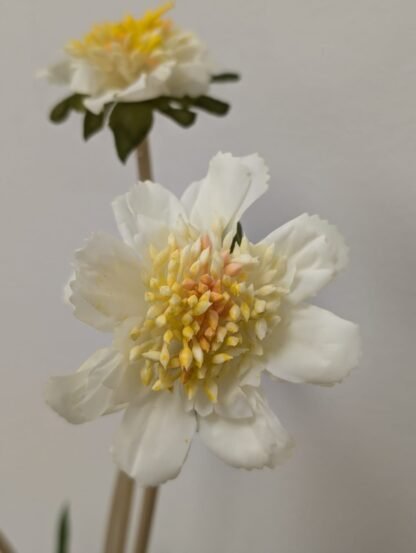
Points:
x=131, y=122
x=62, y=110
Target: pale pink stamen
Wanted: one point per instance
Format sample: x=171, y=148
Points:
x=206, y=242
x=233, y=269
x=225, y=256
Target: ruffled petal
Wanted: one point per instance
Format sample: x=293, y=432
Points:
x=231, y=186
x=233, y=402
x=314, y=249
x=90, y=392
x=58, y=73
x=190, y=195
x=153, y=440
x=106, y=287
x=147, y=86
x=147, y=211
x=96, y=104
x=85, y=79
x=253, y=442
x=189, y=79
x=312, y=345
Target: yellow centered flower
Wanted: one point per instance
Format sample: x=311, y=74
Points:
x=124, y=49
x=206, y=308
x=195, y=325
x=134, y=60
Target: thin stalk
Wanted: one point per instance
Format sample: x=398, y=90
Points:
x=118, y=523
x=144, y=165
x=5, y=546
x=146, y=519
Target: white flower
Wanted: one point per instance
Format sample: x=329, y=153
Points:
x=134, y=60
x=194, y=325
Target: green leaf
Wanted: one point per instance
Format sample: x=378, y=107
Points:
x=62, y=545
x=62, y=110
x=94, y=123
x=212, y=105
x=237, y=238
x=130, y=123
x=183, y=116
x=225, y=78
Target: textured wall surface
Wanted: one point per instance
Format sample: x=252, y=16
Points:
x=328, y=99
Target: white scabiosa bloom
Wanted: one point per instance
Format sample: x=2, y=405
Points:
x=196, y=317
x=134, y=60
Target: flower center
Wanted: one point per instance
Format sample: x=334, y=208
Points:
x=123, y=49
x=207, y=308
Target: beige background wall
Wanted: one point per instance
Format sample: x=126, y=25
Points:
x=328, y=98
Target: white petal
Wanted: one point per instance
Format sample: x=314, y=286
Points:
x=145, y=202
x=202, y=405
x=153, y=440
x=247, y=443
x=189, y=79
x=312, y=345
x=85, y=78
x=95, y=104
x=232, y=402
x=58, y=73
x=250, y=371
x=231, y=186
x=91, y=391
x=314, y=248
x=148, y=86
x=190, y=195
x=107, y=288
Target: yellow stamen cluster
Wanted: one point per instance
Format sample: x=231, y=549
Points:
x=123, y=49
x=207, y=308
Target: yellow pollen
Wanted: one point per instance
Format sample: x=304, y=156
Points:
x=232, y=327
x=185, y=357
x=211, y=389
x=245, y=310
x=146, y=374
x=221, y=334
x=135, y=353
x=221, y=358
x=164, y=356
x=207, y=309
x=198, y=354
x=152, y=355
x=259, y=306
x=232, y=341
x=235, y=312
x=161, y=321
x=201, y=307
x=120, y=51
x=135, y=333
x=188, y=332
x=187, y=319
x=168, y=336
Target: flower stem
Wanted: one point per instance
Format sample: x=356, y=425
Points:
x=5, y=546
x=144, y=166
x=119, y=515
x=146, y=518
x=144, y=163
x=118, y=522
